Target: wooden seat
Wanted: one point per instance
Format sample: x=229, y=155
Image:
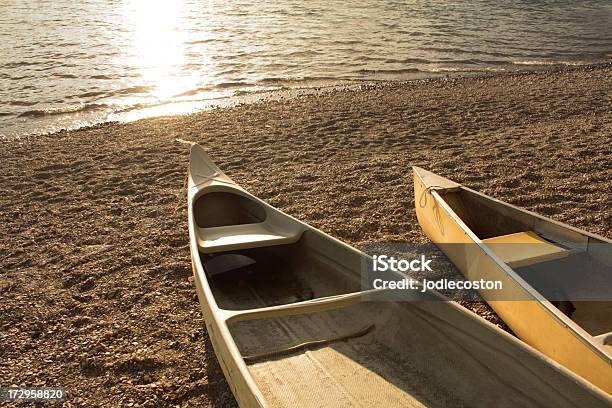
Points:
x=524, y=248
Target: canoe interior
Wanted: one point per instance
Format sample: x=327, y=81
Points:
x=270, y=275
x=221, y=208
x=577, y=276
x=579, y=283
x=282, y=274
x=416, y=354
x=484, y=218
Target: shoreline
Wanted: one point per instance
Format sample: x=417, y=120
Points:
x=325, y=85
x=95, y=269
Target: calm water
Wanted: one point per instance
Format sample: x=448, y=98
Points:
x=68, y=64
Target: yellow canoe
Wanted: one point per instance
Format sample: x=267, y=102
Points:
x=546, y=268
x=291, y=326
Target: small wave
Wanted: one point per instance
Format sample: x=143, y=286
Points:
x=136, y=106
x=225, y=72
x=225, y=85
x=192, y=92
x=549, y=62
x=205, y=41
x=102, y=76
x=69, y=76
x=533, y=62
x=467, y=69
x=347, y=42
x=19, y=64
x=449, y=50
x=414, y=61
x=91, y=94
x=388, y=71
x=299, y=81
x=22, y=103
x=67, y=44
x=412, y=33
x=134, y=90
x=39, y=113
x=388, y=60
x=463, y=61
x=142, y=106
x=241, y=92
x=302, y=53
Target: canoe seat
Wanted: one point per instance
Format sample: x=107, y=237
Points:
x=524, y=248
x=243, y=236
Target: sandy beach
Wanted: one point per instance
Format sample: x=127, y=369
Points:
x=95, y=274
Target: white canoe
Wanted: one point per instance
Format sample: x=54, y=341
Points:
x=291, y=327
x=557, y=280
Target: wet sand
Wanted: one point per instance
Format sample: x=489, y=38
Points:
x=94, y=262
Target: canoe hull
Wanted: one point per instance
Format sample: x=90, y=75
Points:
x=538, y=323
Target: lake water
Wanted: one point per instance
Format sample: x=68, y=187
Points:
x=65, y=64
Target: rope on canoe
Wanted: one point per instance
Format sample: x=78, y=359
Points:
x=307, y=345
x=436, y=210
x=427, y=191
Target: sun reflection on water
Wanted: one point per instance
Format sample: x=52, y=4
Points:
x=158, y=46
